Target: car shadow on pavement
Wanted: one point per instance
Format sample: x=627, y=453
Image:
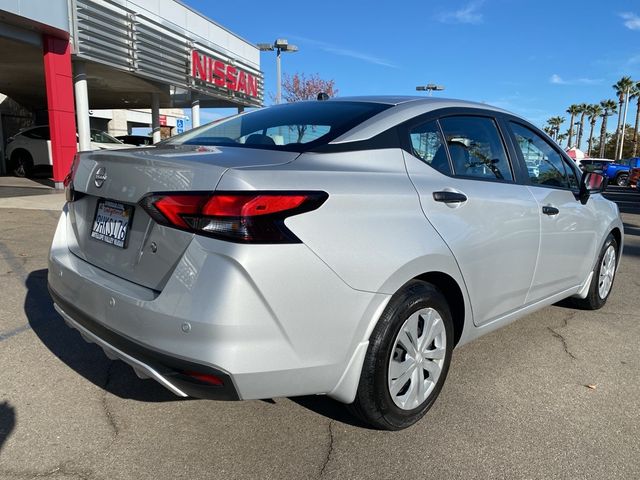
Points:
x=7, y=422
x=330, y=408
x=86, y=359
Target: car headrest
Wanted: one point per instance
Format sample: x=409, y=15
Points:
x=259, y=139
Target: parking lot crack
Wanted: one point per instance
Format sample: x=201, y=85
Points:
x=62, y=469
x=564, y=343
x=329, y=449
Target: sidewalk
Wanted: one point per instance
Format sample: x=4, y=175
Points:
x=24, y=193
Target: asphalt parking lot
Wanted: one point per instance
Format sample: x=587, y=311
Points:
x=554, y=395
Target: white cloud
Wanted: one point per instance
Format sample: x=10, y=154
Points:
x=558, y=80
x=631, y=20
x=345, y=52
x=467, y=14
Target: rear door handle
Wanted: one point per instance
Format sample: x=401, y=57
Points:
x=547, y=210
x=449, y=197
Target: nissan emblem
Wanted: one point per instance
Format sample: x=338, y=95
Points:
x=101, y=176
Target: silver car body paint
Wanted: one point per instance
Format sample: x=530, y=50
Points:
x=295, y=319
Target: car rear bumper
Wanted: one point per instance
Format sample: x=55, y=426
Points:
x=169, y=371
x=249, y=315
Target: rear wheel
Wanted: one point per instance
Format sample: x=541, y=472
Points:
x=603, y=277
x=407, y=360
x=21, y=163
x=621, y=179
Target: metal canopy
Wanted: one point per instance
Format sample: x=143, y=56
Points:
x=111, y=33
x=130, y=53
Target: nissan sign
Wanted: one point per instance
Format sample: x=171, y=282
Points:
x=213, y=71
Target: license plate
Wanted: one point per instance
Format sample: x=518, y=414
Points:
x=111, y=223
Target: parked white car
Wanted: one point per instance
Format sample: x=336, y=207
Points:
x=31, y=148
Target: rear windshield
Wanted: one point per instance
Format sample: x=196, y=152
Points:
x=296, y=127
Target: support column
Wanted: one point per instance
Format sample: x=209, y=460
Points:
x=155, y=117
x=82, y=107
x=195, y=114
x=62, y=122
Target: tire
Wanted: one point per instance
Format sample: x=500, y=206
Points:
x=389, y=395
x=604, y=275
x=621, y=179
x=21, y=164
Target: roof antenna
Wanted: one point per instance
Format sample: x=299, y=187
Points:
x=322, y=96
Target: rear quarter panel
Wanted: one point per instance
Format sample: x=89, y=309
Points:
x=371, y=231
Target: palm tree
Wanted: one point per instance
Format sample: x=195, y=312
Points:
x=562, y=137
x=594, y=111
x=608, y=108
x=636, y=93
x=583, y=109
x=554, y=125
x=573, y=110
x=622, y=88
x=548, y=130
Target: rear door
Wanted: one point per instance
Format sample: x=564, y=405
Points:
x=568, y=228
x=470, y=194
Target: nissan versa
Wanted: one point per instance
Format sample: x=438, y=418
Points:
x=339, y=247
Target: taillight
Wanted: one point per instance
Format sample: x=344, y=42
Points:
x=70, y=193
x=245, y=217
x=204, y=377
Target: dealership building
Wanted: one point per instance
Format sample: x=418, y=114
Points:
x=63, y=62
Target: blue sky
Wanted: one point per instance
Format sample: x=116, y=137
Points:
x=534, y=58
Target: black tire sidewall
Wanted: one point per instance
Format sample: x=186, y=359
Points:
x=413, y=297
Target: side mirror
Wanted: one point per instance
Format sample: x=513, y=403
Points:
x=591, y=183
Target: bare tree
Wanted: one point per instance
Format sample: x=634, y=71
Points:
x=299, y=87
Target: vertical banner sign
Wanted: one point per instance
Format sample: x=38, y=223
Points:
x=217, y=73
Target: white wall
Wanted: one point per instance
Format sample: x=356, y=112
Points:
x=54, y=13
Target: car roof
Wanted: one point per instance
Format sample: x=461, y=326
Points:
x=403, y=108
x=414, y=99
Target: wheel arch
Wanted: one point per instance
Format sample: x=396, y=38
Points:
x=345, y=390
x=617, y=234
x=21, y=150
x=453, y=294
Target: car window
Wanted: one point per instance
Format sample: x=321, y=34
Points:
x=102, y=137
x=40, y=133
x=544, y=164
x=284, y=135
x=476, y=148
x=296, y=127
x=428, y=145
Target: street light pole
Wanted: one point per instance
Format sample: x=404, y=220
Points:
x=279, y=78
x=280, y=45
x=430, y=87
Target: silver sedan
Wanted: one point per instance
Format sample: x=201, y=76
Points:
x=339, y=247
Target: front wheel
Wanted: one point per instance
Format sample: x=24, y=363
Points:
x=407, y=360
x=603, y=277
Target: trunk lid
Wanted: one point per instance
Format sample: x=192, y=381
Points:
x=151, y=251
